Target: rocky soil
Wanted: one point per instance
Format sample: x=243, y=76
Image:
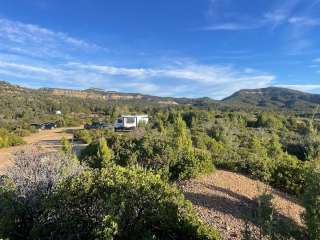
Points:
x=225, y=200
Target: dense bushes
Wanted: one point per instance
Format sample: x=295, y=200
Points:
x=8, y=139
x=289, y=175
x=123, y=204
x=52, y=197
x=312, y=201
x=97, y=154
x=269, y=120
x=83, y=135
x=26, y=187
x=265, y=160
x=180, y=150
x=171, y=155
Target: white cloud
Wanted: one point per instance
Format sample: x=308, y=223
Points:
x=189, y=79
x=317, y=60
x=304, y=21
x=222, y=16
x=231, y=26
x=22, y=67
x=301, y=87
x=33, y=40
x=110, y=70
x=22, y=33
x=36, y=55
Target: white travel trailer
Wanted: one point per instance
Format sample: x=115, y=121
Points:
x=129, y=122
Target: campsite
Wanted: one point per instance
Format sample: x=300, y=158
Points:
x=159, y=120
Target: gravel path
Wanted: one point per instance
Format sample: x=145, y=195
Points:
x=225, y=200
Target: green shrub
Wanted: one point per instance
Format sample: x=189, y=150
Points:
x=22, y=132
x=120, y=203
x=312, y=201
x=269, y=120
x=184, y=166
x=97, y=154
x=83, y=135
x=273, y=225
x=8, y=139
x=28, y=184
x=289, y=175
x=66, y=146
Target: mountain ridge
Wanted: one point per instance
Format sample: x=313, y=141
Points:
x=270, y=97
x=274, y=97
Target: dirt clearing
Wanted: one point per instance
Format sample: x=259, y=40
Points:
x=224, y=200
x=46, y=140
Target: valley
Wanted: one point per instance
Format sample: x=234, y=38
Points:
x=243, y=165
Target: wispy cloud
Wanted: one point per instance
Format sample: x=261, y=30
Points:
x=39, y=41
x=202, y=80
x=287, y=12
x=231, y=26
x=301, y=87
x=281, y=12
x=292, y=20
x=304, y=21
x=39, y=56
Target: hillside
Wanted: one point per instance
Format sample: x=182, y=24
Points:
x=275, y=98
x=272, y=98
x=94, y=94
x=183, y=144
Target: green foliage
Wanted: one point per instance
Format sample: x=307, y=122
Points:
x=289, y=175
x=97, y=154
x=51, y=196
x=104, y=154
x=188, y=162
x=28, y=184
x=22, y=132
x=66, y=146
x=170, y=154
x=268, y=120
x=8, y=139
x=265, y=213
x=312, y=200
x=83, y=135
x=181, y=135
x=184, y=166
x=119, y=203
x=272, y=225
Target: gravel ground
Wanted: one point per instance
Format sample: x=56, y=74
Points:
x=225, y=200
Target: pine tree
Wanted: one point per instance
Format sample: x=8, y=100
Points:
x=104, y=153
x=66, y=146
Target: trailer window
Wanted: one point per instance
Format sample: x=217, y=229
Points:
x=131, y=120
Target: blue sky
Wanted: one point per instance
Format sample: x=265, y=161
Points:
x=177, y=48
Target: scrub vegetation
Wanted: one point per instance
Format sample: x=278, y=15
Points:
x=123, y=185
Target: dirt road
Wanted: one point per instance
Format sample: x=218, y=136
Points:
x=47, y=140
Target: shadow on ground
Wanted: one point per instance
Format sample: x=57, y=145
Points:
x=241, y=207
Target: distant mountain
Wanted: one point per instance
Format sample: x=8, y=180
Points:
x=276, y=98
x=7, y=89
x=265, y=98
